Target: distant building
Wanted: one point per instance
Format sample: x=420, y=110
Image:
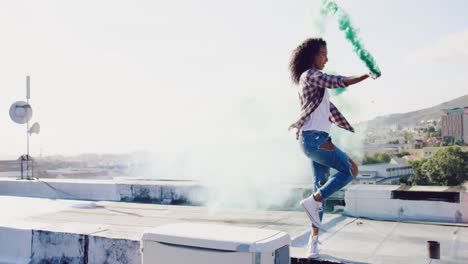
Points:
x=428, y=152
x=419, y=143
x=383, y=173
x=454, y=125
x=434, y=140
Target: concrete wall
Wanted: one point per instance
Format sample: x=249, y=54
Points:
x=464, y=206
x=100, y=190
x=15, y=245
x=169, y=193
x=57, y=247
x=79, y=190
x=161, y=192
x=36, y=246
x=376, y=202
x=107, y=250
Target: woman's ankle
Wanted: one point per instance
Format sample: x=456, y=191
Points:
x=317, y=197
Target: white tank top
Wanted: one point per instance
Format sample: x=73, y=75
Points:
x=320, y=118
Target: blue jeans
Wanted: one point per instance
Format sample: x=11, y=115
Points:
x=322, y=160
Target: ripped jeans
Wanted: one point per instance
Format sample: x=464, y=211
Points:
x=322, y=160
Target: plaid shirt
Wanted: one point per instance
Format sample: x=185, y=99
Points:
x=313, y=83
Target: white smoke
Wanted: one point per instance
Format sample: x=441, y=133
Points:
x=244, y=159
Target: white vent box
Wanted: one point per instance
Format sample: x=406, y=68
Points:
x=184, y=243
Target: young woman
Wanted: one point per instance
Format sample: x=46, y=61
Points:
x=313, y=128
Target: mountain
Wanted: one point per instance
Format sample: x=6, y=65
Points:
x=415, y=117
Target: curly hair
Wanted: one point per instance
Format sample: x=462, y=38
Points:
x=302, y=57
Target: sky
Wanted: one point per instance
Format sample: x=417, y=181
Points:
x=209, y=76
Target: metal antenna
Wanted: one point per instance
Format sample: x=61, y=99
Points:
x=21, y=113
x=28, y=96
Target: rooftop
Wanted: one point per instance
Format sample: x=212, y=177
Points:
x=119, y=226
x=380, y=166
x=364, y=187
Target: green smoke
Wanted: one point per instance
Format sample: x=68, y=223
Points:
x=337, y=91
x=345, y=25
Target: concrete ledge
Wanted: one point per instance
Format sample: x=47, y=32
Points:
x=56, y=247
x=15, y=245
x=373, y=201
x=109, y=250
x=140, y=191
x=79, y=190
x=101, y=190
x=40, y=246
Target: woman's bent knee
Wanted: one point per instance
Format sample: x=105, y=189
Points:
x=354, y=168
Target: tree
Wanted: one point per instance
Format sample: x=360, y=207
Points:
x=436, y=133
x=419, y=177
x=408, y=137
x=376, y=157
x=403, y=179
x=448, y=167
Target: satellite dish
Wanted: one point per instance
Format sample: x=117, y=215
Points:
x=35, y=128
x=20, y=112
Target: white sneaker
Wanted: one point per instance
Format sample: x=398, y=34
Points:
x=312, y=247
x=312, y=209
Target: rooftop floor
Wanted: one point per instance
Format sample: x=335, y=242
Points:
x=344, y=239
x=129, y=220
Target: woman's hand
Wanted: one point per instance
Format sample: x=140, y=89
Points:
x=374, y=76
x=355, y=79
